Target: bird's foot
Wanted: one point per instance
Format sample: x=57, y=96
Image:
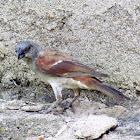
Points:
x=44, y=111
x=66, y=106
x=55, y=104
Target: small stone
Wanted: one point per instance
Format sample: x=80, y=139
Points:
x=138, y=88
x=2, y=50
x=15, y=104
x=51, y=15
x=139, y=99
x=110, y=137
x=32, y=94
x=3, y=131
x=33, y=108
x=51, y=26
x=41, y=137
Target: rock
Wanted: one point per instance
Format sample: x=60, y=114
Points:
x=139, y=99
x=41, y=137
x=65, y=26
x=31, y=138
x=32, y=94
x=2, y=104
x=33, y=108
x=51, y=26
x=15, y=104
x=2, y=50
x=93, y=126
x=80, y=124
x=138, y=88
x=110, y=137
x=20, y=125
x=19, y=104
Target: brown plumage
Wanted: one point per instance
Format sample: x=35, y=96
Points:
x=62, y=71
x=60, y=64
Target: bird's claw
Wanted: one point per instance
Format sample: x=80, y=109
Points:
x=66, y=106
x=44, y=111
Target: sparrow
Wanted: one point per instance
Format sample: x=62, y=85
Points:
x=61, y=71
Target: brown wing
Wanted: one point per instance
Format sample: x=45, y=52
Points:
x=59, y=64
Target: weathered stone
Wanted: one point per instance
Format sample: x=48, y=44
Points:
x=15, y=104
x=93, y=126
x=33, y=108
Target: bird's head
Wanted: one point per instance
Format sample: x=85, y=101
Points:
x=27, y=50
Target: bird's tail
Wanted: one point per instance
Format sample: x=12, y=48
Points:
x=95, y=84
x=111, y=92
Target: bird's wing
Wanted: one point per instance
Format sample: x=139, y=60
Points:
x=60, y=64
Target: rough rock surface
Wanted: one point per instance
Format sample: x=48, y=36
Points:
x=90, y=120
x=93, y=126
x=104, y=35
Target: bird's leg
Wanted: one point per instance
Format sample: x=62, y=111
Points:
x=77, y=95
x=57, y=91
x=54, y=104
x=69, y=105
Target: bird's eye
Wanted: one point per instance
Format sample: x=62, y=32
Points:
x=27, y=49
x=30, y=46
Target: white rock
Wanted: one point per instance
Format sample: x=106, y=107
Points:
x=33, y=108
x=139, y=99
x=15, y=104
x=93, y=126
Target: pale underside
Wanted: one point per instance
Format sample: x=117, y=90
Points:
x=62, y=82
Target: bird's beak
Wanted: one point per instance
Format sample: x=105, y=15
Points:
x=20, y=54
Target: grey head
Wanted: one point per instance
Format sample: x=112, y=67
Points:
x=27, y=49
